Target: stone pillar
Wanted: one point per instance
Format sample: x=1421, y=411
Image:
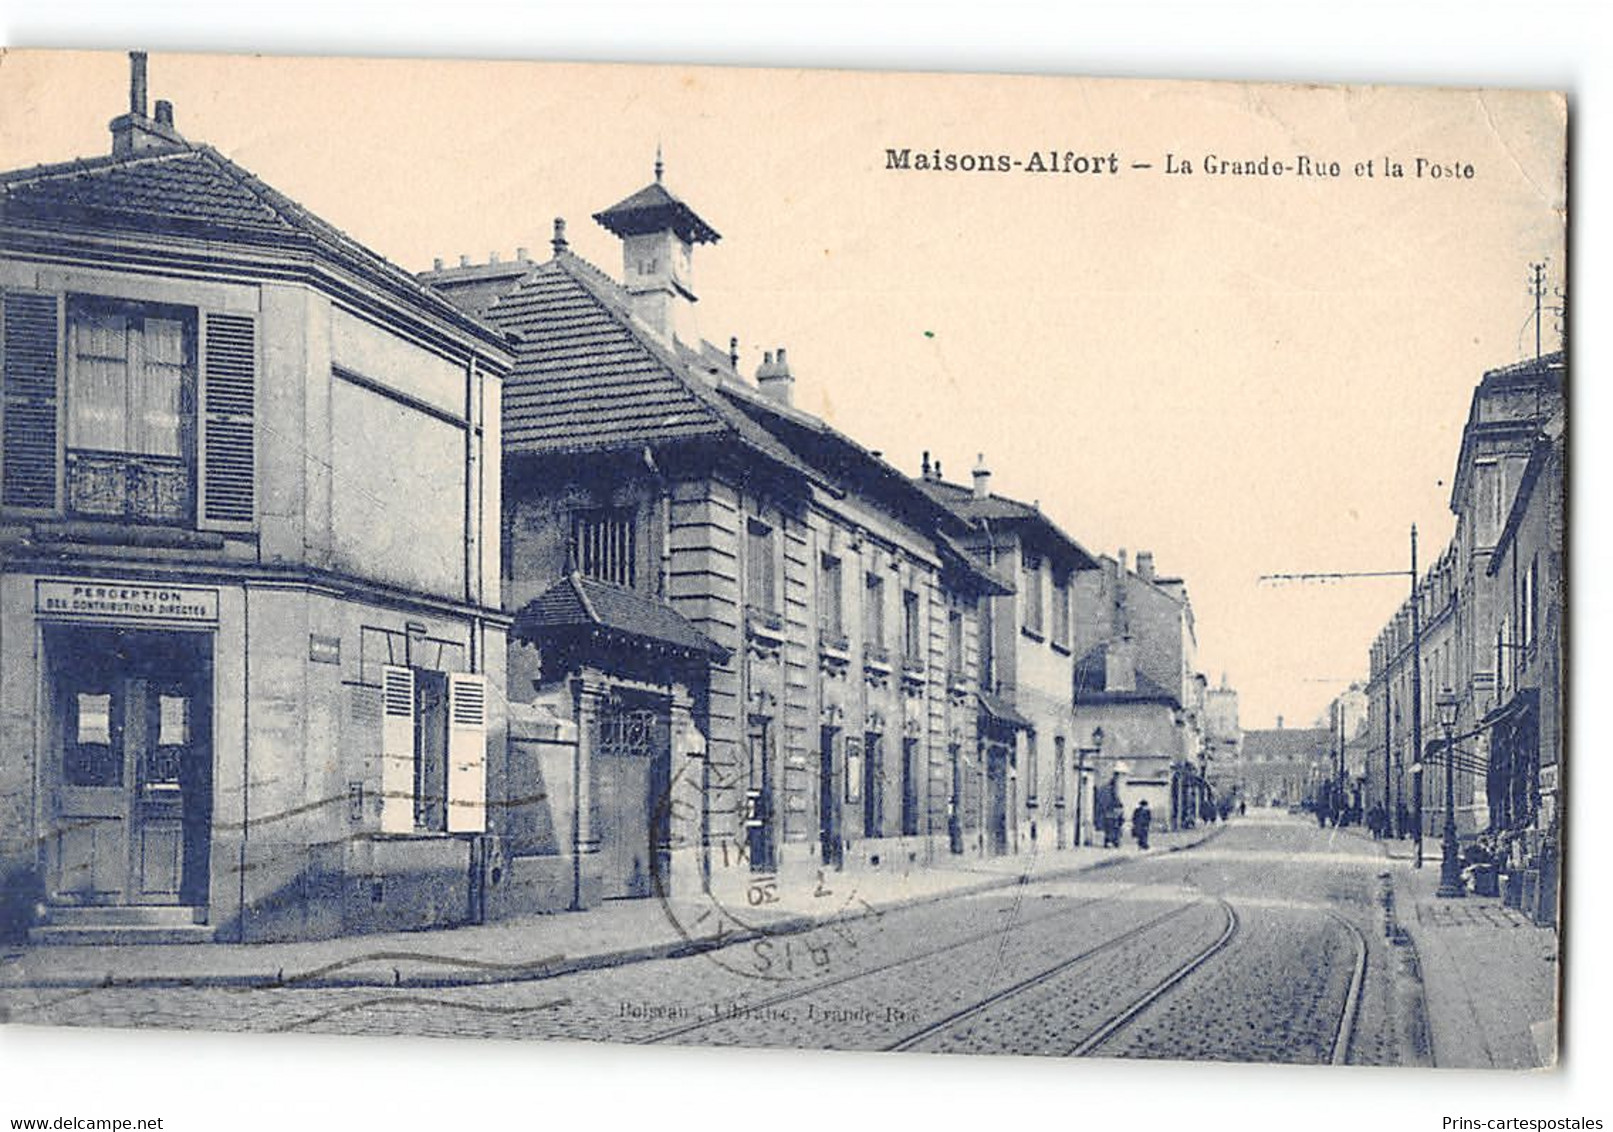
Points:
x=588, y=695
x=689, y=806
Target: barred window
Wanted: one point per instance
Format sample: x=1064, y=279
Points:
x=603, y=543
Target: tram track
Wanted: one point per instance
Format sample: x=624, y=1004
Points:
x=1020, y=987
x=1160, y=989
x=996, y=933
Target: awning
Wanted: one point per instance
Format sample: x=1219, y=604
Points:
x=578, y=607
x=1002, y=711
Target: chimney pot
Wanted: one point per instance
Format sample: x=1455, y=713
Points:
x=165, y=113
x=137, y=83
x=464, y=261
x=733, y=354
x=1145, y=565
x=558, y=242
x=773, y=376
x=924, y=469
x=436, y=263
x=938, y=469
x=982, y=477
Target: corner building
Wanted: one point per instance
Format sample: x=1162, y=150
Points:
x=250, y=644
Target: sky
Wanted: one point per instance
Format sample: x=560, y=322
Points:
x=1245, y=375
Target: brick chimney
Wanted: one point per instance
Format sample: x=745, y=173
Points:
x=774, y=379
x=1145, y=565
x=135, y=132
x=982, y=478
x=1120, y=651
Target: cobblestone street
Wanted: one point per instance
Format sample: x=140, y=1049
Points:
x=1266, y=943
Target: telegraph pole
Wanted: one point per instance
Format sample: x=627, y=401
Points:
x=1416, y=708
x=1416, y=679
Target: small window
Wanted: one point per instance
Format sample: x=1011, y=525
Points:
x=603, y=545
x=1061, y=611
x=433, y=751
x=955, y=642
x=874, y=612
x=912, y=641
x=1030, y=584
x=89, y=756
x=761, y=567
x=831, y=598
x=1032, y=779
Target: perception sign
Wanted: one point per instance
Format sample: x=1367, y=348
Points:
x=126, y=601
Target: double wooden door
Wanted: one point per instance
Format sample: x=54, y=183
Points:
x=131, y=766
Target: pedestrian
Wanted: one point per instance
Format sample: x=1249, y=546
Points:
x=1141, y=818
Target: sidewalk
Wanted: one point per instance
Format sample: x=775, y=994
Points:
x=542, y=946
x=1490, y=975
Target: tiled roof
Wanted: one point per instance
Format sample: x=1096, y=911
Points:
x=998, y=509
x=578, y=604
x=194, y=191
x=652, y=209
x=1000, y=709
x=588, y=377
x=842, y=459
x=1090, y=677
x=473, y=294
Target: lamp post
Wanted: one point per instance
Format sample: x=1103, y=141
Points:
x=1450, y=864
x=1081, y=777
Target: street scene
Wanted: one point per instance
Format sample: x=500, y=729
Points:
x=1021, y=658
x=1181, y=952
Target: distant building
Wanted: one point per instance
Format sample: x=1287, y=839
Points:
x=1137, y=680
x=1282, y=766
x=1490, y=613
x=1523, y=776
x=1028, y=730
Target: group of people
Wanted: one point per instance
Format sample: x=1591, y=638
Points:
x=1111, y=815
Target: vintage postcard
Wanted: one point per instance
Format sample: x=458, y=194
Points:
x=835, y=560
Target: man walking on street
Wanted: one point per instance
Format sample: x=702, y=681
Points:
x=1141, y=818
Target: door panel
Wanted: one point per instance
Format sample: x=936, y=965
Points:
x=91, y=859
x=132, y=766
x=631, y=742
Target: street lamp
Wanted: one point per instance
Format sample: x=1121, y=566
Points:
x=1450, y=864
x=1081, y=777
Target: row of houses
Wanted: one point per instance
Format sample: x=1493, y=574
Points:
x=335, y=598
x=1483, y=632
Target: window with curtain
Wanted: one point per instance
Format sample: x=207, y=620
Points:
x=131, y=380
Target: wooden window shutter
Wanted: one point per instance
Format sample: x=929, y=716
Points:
x=397, y=749
x=228, y=450
x=467, y=753
x=31, y=364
